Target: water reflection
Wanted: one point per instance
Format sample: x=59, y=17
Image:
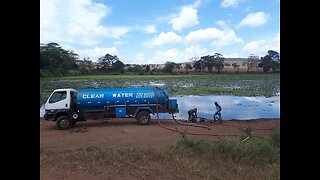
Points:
x=233, y=107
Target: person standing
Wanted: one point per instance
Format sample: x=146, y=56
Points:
x=218, y=112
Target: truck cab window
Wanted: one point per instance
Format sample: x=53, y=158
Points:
x=58, y=96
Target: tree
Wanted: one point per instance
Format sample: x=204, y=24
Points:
x=118, y=66
x=270, y=61
x=194, y=59
x=50, y=55
x=135, y=68
x=275, y=56
x=235, y=65
x=178, y=66
x=227, y=64
x=188, y=66
x=219, y=60
x=111, y=63
x=169, y=66
x=199, y=65
x=107, y=60
x=148, y=68
x=209, y=62
x=56, y=61
x=252, y=62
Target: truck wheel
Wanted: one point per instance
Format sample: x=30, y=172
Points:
x=143, y=118
x=64, y=122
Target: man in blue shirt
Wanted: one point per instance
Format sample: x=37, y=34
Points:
x=218, y=107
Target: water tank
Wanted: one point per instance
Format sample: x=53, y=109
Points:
x=98, y=98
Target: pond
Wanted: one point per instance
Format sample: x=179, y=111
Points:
x=233, y=107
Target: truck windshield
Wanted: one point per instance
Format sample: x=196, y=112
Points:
x=58, y=96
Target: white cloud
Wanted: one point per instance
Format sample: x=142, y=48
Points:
x=222, y=24
x=232, y=55
x=203, y=35
x=254, y=19
x=228, y=37
x=161, y=57
x=139, y=58
x=194, y=51
x=120, y=42
x=71, y=21
x=150, y=29
x=96, y=53
x=229, y=3
x=163, y=38
x=187, y=18
x=215, y=36
x=176, y=55
x=261, y=47
x=196, y=4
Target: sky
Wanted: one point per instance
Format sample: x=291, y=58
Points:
x=157, y=31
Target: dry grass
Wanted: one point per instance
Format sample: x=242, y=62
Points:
x=187, y=159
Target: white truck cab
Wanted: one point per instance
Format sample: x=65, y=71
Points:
x=59, y=99
x=60, y=106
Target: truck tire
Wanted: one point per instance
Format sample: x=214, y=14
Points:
x=64, y=122
x=143, y=118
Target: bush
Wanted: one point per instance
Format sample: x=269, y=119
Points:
x=45, y=73
x=254, y=151
x=274, y=138
x=73, y=73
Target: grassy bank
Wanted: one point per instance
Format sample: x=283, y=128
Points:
x=122, y=77
x=184, y=76
x=209, y=84
x=256, y=158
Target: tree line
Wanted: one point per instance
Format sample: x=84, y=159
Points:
x=56, y=61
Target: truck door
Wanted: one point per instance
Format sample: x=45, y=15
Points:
x=73, y=100
x=58, y=100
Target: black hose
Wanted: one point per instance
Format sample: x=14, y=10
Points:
x=189, y=124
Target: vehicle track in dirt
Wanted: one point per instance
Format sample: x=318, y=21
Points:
x=126, y=132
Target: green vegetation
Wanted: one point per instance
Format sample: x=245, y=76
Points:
x=254, y=152
x=58, y=62
x=58, y=69
x=122, y=77
x=227, y=158
x=270, y=61
x=209, y=84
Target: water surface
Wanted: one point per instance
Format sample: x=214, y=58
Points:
x=233, y=107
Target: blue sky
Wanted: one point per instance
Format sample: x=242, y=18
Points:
x=156, y=31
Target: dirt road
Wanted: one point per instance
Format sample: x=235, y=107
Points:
x=57, y=162
x=126, y=132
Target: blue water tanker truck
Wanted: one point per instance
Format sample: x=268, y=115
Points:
x=68, y=106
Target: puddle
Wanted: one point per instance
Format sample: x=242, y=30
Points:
x=233, y=107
